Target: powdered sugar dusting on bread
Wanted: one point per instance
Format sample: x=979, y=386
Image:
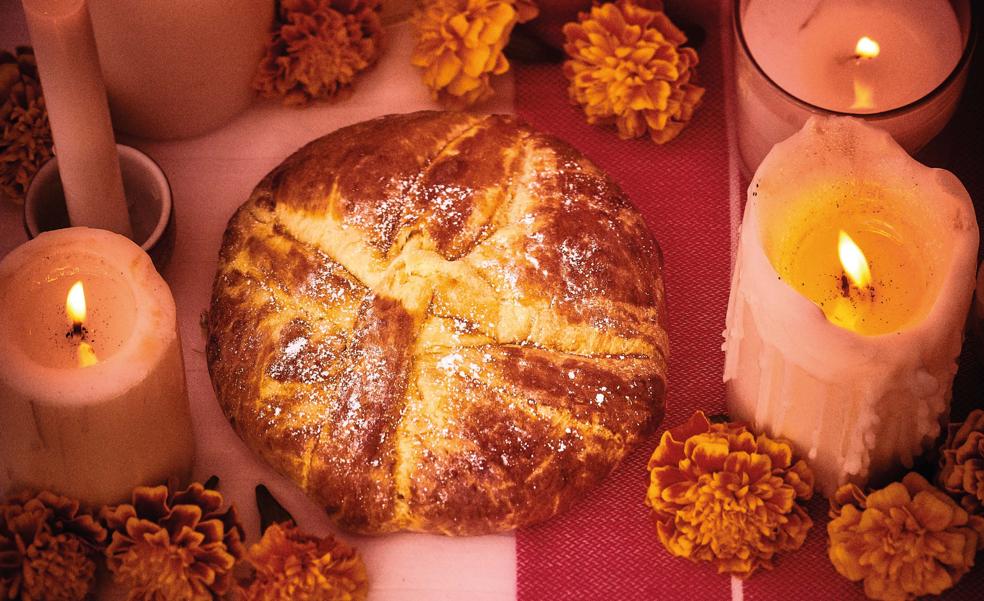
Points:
x=503, y=247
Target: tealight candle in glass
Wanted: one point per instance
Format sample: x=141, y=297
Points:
x=900, y=66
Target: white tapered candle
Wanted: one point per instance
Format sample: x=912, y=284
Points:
x=75, y=95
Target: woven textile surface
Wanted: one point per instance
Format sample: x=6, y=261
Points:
x=607, y=547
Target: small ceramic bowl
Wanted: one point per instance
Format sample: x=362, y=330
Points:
x=148, y=199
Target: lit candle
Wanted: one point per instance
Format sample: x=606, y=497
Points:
x=868, y=58
x=75, y=309
x=854, y=274
x=92, y=390
x=75, y=97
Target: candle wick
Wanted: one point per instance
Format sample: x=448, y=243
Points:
x=846, y=287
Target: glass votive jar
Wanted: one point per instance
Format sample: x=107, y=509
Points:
x=900, y=66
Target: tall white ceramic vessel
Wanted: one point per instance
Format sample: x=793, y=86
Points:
x=180, y=68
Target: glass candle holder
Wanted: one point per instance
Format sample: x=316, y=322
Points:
x=899, y=66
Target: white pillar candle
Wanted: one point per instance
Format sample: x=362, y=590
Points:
x=75, y=97
x=857, y=376
x=895, y=63
x=90, y=411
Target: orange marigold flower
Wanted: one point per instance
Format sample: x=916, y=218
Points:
x=47, y=549
x=25, y=135
x=317, y=49
x=962, y=469
x=173, y=545
x=905, y=540
x=460, y=42
x=627, y=67
x=720, y=494
x=292, y=566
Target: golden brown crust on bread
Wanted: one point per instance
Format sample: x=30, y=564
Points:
x=439, y=322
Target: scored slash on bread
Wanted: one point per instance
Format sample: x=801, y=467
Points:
x=439, y=322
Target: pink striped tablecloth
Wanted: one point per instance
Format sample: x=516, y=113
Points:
x=691, y=193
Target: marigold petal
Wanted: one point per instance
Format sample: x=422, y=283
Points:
x=893, y=495
x=710, y=454
x=800, y=478
x=445, y=69
x=976, y=524
x=669, y=31
x=664, y=476
x=500, y=20
x=668, y=452
x=463, y=84
x=459, y=25
x=697, y=424
x=501, y=64
x=526, y=10
x=931, y=512
x=473, y=60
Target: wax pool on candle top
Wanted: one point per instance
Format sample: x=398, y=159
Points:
x=808, y=48
x=806, y=257
x=35, y=317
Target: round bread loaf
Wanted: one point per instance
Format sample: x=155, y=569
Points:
x=439, y=322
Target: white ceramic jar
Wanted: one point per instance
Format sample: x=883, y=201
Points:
x=180, y=68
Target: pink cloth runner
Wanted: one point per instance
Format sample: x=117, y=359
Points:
x=606, y=547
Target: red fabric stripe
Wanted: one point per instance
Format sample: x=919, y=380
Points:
x=606, y=547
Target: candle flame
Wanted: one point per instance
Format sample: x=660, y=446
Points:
x=866, y=48
x=87, y=355
x=853, y=260
x=864, y=96
x=75, y=304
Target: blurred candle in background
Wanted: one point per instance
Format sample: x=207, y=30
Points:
x=899, y=65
